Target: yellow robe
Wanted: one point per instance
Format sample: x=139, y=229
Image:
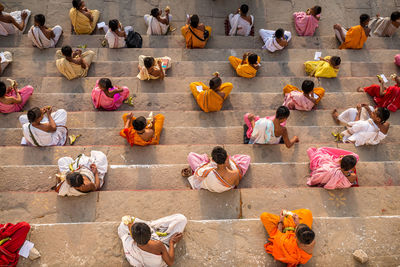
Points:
x=81, y=23
x=321, y=68
x=71, y=70
x=191, y=40
x=243, y=70
x=208, y=100
x=355, y=38
x=319, y=91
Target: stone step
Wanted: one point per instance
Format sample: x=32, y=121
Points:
x=177, y=84
x=192, y=135
x=212, y=54
x=198, y=205
x=186, y=102
x=217, y=41
x=200, y=69
x=177, y=154
x=221, y=243
x=167, y=176
x=224, y=118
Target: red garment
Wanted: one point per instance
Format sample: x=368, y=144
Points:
x=391, y=99
x=9, y=250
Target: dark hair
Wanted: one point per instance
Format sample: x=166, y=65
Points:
x=395, y=16
x=282, y=113
x=253, y=58
x=40, y=19
x=348, y=162
x=317, y=10
x=3, y=89
x=244, y=9
x=76, y=3
x=75, y=179
x=33, y=114
x=279, y=33
x=304, y=234
x=113, y=24
x=140, y=123
x=148, y=62
x=336, y=60
x=364, y=18
x=105, y=83
x=154, y=12
x=66, y=51
x=141, y=233
x=219, y=155
x=307, y=86
x=194, y=21
x=383, y=114
x=215, y=82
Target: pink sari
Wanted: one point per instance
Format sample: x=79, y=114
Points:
x=25, y=93
x=100, y=100
x=305, y=24
x=296, y=100
x=325, y=167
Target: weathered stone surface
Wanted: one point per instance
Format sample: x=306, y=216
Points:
x=360, y=256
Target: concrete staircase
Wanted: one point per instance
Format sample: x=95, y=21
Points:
x=223, y=229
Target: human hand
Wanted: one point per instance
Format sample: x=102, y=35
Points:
x=93, y=168
x=24, y=15
x=364, y=105
x=175, y=238
x=337, y=27
x=49, y=109
x=129, y=117
x=359, y=107
x=296, y=139
x=296, y=219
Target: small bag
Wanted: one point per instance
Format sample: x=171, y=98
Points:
x=205, y=35
x=134, y=40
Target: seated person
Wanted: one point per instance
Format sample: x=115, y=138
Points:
x=73, y=64
x=385, y=97
x=151, y=243
x=43, y=37
x=5, y=59
x=116, y=34
x=82, y=175
x=365, y=125
x=141, y=131
x=307, y=22
x=83, y=20
x=269, y=130
x=12, y=99
x=219, y=174
x=195, y=33
x=156, y=23
x=305, y=99
x=246, y=67
x=327, y=67
x=14, y=236
x=275, y=40
x=355, y=37
x=332, y=168
x=211, y=98
x=385, y=27
x=11, y=22
x=107, y=96
x=291, y=239
x=240, y=23
x=42, y=127
x=151, y=68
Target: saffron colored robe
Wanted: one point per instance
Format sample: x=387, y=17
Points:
x=81, y=23
x=191, y=40
x=244, y=70
x=355, y=38
x=208, y=100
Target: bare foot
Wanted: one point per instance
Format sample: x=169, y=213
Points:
x=335, y=115
x=360, y=89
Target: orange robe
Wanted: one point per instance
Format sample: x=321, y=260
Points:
x=283, y=246
x=191, y=40
x=208, y=100
x=243, y=70
x=355, y=38
x=134, y=138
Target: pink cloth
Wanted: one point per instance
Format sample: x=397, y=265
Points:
x=296, y=100
x=100, y=100
x=305, y=24
x=250, y=128
x=397, y=60
x=25, y=93
x=198, y=160
x=325, y=167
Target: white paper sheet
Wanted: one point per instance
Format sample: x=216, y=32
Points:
x=317, y=55
x=315, y=96
x=101, y=24
x=26, y=248
x=199, y=88
x=385, y=80
x=3, y=58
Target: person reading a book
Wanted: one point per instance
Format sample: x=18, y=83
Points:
x=305, y=99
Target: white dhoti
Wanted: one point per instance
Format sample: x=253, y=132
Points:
x=5, y=59
x=270, y=43
x=154, y=27
x=40, y=40
x=9, y=28
x=339, y=36
x=139, y=258
x=42, y=138
x=240, y=26
x=115, y=41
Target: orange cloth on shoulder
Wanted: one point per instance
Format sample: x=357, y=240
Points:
x=355, y=38
x=134, y=138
